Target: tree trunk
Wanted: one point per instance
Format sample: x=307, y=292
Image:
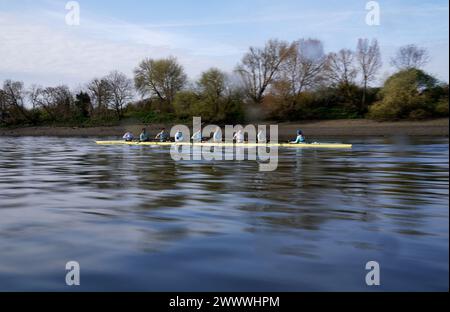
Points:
x=363, y=104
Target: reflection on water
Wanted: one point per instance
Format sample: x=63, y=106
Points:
x=136, y=220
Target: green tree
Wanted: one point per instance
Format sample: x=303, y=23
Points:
x=409, y=94
x=82, y=105
x=161, y=78
x=184, y=102
x=212, y=85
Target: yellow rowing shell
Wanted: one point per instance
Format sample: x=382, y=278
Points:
x=247, y=145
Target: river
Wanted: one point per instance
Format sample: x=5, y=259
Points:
x=134, y=219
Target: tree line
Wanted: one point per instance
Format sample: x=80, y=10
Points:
x=282, y=81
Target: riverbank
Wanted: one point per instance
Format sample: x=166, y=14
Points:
x=329, y=128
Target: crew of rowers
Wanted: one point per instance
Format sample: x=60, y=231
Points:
x=239, y=137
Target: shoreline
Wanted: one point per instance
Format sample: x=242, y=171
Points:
x=327, y=128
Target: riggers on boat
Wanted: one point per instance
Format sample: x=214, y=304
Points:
x=247, y=145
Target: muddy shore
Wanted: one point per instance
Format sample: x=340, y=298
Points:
x=338, y=128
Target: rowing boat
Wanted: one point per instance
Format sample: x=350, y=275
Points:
x=246, y=145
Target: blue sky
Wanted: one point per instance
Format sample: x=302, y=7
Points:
x=37, y=46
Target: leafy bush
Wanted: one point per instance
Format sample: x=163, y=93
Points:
x=409, y=94
x=188, y=104
x=442, y=108
x=419, y=114
x=102, y=120
x=205, y=108
x=232, y=110
x=383, y=111
x=154, y=117
x=341, y=102
x=183, y=103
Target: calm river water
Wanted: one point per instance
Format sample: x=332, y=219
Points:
x=135, y=219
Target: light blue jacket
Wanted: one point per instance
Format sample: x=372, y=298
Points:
x=300, y=139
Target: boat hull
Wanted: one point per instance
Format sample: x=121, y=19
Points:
x=245, y=145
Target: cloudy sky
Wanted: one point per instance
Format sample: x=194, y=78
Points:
x=38, y=47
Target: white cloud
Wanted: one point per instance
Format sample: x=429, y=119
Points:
x=44, y=50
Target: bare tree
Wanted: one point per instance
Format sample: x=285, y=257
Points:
x=410, y=56
x=369, y=60
x=14, y=97
x=57, y=101
x=41, y=97
x=340, y=67
x=64, y=100
x=3, y=107
x=100, y=93
x=121, y=89
x=261, y=65
x=162, y=78
x=303, y=67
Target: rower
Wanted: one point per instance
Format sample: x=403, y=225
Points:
x=217, y=137
x=261, y=137
x=239, y=137
x=143, y=137
x=300, y=138
x=179, y=136
x=197, y=137
x=128, y=137
x=162, y=136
